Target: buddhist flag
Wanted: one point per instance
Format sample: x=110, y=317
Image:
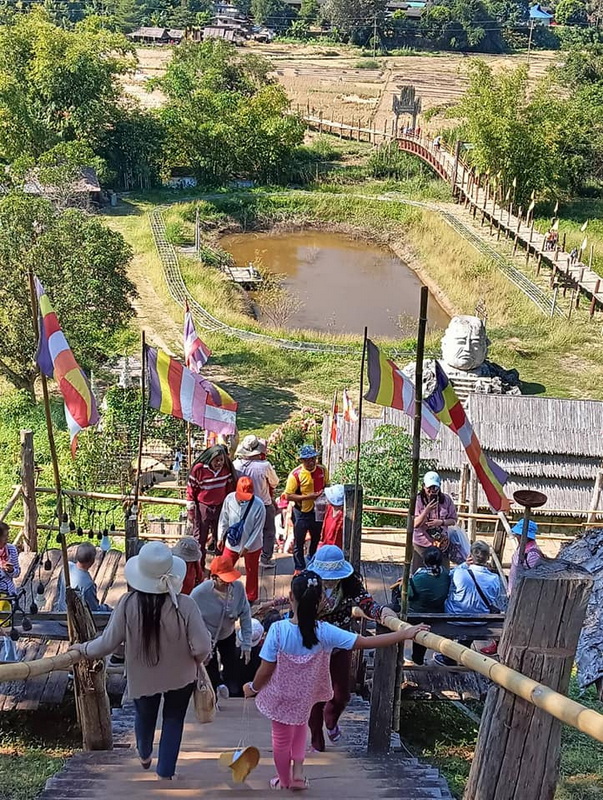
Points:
x=556, y=209
x=349, y=412
x=196, y=352
x=55, y=360
x=584, y=243
x=585, y=226
x=448, y=409
x=174, y=389
x=334, y=415
x=221, y=410
x=388, y=386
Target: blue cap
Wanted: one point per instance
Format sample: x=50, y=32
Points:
x=532, y=529
x=432, y=479
x=308, y=451
x=329, y=562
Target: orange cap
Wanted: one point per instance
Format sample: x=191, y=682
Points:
x=244, y=489
x=223, y=567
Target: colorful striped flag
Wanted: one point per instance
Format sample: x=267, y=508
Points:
x=349, y=412
x=56, y=360
x=388, y=386
x=196, y=352
x=447, y=407
x=221, y=410
x=174, y=389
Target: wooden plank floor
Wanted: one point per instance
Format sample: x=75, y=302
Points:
x=199, y=774
x=48, y=690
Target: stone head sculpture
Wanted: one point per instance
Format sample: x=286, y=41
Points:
x=465, y=344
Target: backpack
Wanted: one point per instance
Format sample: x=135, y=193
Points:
x=235, y=532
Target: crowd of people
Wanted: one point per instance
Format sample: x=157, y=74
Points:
x=294, y=653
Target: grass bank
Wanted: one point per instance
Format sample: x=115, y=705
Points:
x=33, y=747
x=447, y=737
x=555, y=357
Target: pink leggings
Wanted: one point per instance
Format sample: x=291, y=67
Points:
x=288, y=744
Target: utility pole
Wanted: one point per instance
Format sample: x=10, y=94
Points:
x=530, y=40
x=375, y=35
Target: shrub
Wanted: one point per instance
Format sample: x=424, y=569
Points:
x=175, y=233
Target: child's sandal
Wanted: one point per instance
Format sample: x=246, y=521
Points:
x=275, y=785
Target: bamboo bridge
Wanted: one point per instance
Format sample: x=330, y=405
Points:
x=475, y=193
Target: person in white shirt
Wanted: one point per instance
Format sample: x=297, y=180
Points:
x=251, y=461
x=240, y=531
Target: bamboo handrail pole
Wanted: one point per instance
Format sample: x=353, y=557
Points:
x=168, y=501
x=22, y=670
x=558, y=705
x=9, y=506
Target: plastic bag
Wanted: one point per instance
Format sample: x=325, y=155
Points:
x=460, y=546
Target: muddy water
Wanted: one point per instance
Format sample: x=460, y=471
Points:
x=344, y=284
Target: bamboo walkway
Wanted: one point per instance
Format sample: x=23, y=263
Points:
x=479, y=199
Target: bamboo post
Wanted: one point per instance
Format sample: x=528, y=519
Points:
x=332, y=428
x=517, y=753
x=594, y=503
x=593, y=302
x=94, y=712
x=472, y=522
x=131, y=524
x=416, y=446
x=28, y=490
x=382, y=698
x=517, y=231
x=463, y=484
x=357, y=503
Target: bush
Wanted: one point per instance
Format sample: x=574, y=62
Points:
x=302, y=427
x=175, y=233
x=367, y=63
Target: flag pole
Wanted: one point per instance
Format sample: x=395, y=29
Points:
x=416, y=448
x=189, y=448
x=53, y=453
x=359, y=438
x=143, y=406
x=333, y=422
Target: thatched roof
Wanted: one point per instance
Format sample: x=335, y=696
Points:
x=544, y=443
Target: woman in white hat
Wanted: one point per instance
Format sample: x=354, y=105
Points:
x=165, y=639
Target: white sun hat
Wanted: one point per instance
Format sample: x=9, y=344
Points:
x=257, y=631
x=156, y=571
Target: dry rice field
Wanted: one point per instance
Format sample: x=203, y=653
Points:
x=329, y=79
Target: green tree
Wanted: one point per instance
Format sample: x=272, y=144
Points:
x=355, y=19
x=55, y=84
x=512, y=131
x=82, y=265
x=571, y=12
x=462, y=25
x=309, y=11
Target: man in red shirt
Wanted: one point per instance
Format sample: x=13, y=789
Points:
x=211, y=478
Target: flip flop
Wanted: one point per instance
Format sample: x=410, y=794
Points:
x=299, y=785
x=334, y=734
x=275, y=785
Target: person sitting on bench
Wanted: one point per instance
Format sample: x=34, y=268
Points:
x=427, y=593
x=474, y=589
x=81, y=580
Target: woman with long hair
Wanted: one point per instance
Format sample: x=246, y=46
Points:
x=211, y=478
x=166, y=639
x=294, y=674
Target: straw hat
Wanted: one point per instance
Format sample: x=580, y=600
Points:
x=329, y=563
x=223, y=568
x=241, y=762
x=156, y=571
x=251, y=446
x=187, y=549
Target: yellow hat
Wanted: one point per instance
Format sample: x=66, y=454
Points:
x=241, y=762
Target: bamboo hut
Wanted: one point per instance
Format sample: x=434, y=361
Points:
x=545, y=443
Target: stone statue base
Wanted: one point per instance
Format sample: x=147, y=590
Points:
x=488, y=378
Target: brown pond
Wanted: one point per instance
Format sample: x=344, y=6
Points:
x=343, y=283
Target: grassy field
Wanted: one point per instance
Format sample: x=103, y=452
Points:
x=557, y=357
x=446, y=738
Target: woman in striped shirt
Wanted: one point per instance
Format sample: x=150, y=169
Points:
x=210, y=480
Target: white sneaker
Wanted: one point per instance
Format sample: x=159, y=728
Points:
x=223, y=692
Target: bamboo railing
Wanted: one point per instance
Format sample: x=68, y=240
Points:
x=557, y=705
